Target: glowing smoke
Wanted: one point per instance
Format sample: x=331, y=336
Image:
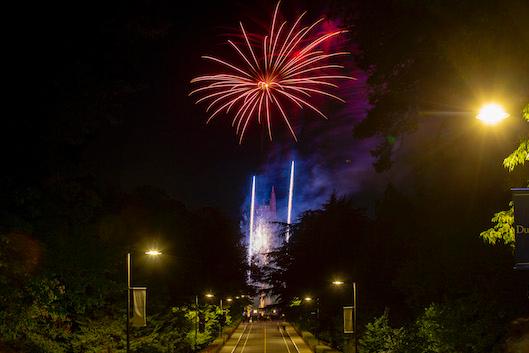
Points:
x=263, y=229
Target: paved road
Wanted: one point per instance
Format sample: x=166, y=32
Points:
x=265, y=337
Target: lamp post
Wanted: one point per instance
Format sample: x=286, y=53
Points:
x=354, y=298
x=221, y=319
x=196, y=322
x=210, y=296
x=151, y=252
x=318, y=326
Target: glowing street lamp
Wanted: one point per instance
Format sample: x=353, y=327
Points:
x=210, y=295
x=492, y=114
x=151, y=252
x=309, y=300
x=340, y=283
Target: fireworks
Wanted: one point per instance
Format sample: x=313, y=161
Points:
x=286, y=67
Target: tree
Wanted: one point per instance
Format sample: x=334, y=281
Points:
x=503, y=229
x=428, y=57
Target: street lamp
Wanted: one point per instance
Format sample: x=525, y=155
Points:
x=151, y=252
x=339, y=283
x=197, y=320
x=210, y=295
x=317, y=326
x=492, y=114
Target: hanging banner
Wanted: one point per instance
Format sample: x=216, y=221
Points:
x=521, y=228
x=348, y=326
x=139, y=306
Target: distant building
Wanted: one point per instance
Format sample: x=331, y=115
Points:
x=264, y=235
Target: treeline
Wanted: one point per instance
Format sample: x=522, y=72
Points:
x=63, y=275
x=423, y=286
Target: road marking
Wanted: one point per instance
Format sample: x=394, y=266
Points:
x=284, y=340
x=242, y=334
x=291, y=340
x=247, y=336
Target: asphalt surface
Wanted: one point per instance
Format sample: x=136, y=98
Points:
x=265, y=337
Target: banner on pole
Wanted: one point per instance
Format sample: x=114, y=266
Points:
x=348, y=326
x=139, y=306
x=520, y=198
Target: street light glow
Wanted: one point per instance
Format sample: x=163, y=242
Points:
x=308, y=299
x=337, y=283
x=153, y=252
x=229, y=300
x=492, y=113
x=209, y=295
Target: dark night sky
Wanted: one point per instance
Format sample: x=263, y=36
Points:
x=161, y=138
x=151, y=50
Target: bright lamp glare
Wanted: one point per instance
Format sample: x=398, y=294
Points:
x=153, y=252
x=492, y=114
x=337, y=283
x=209, y=295
x=308, y=299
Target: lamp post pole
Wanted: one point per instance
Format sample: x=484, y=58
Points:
x=355, y=337
x=196, y=321
x=221, y=320
x=151, y=252
x=318, y=327
x=128, y=302
x=355, y=307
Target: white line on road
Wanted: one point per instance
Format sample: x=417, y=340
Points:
x=237, y=343
x=248, y=336
x=291, y=340
x=284, y=340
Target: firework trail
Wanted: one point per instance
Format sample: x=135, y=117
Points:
x=290, y=68
x=290, y=195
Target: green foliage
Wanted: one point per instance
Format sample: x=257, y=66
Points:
x=98, y=334
x=518, y=157
x=465, y=325
x=380, y=337
x=503, y=229
x=35, y=319
x=61, y=282
x=166, y=333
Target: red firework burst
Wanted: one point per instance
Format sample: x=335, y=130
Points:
x=291, y=67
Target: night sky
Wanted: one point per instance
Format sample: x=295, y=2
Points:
x=144, y=55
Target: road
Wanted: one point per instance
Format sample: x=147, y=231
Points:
x=265, y=337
